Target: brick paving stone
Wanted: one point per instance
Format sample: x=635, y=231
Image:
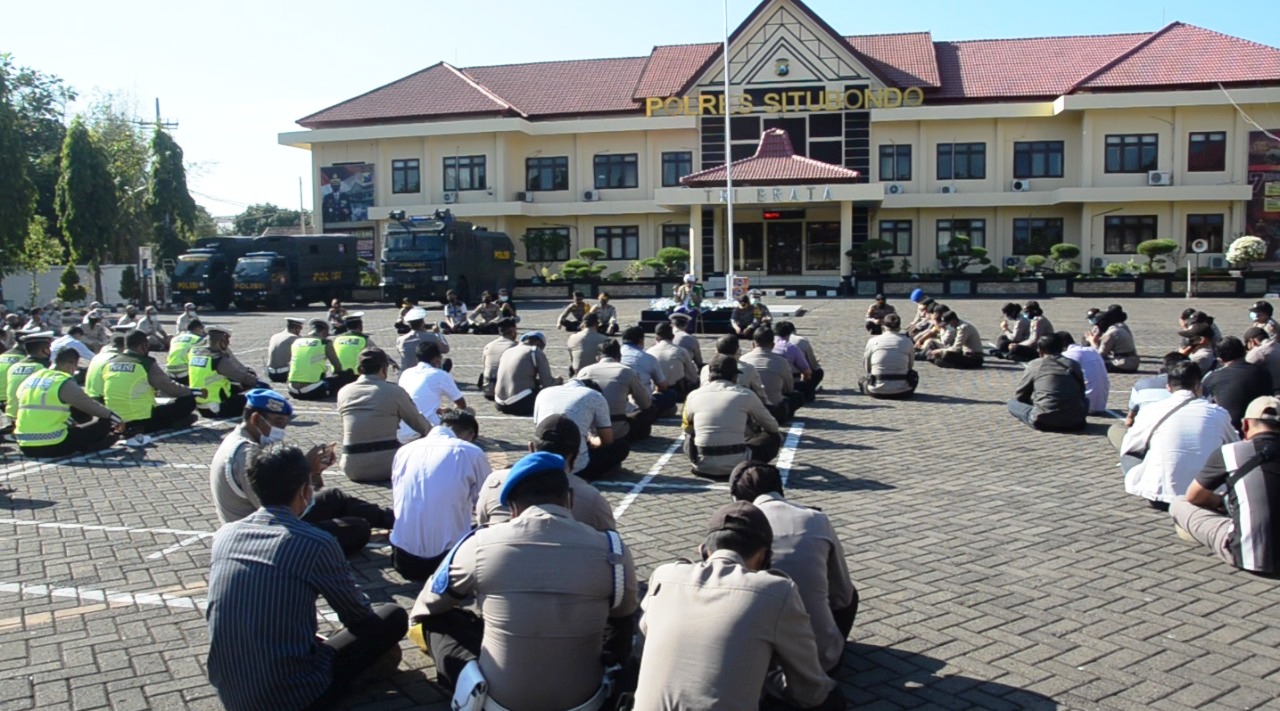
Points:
x=998, y=568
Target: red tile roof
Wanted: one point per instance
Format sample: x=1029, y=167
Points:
x=775, y=163
x=1182, y=54
x=981, y=70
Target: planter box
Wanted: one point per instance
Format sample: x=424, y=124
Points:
x=1026, y=287
x=1120, y=286
x=1206, y=286
x=535, y=292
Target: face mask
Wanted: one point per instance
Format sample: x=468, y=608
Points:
x=503, y=299
x=1253, y=315
x=275, y=435
x=755, y=302
x=311, y=502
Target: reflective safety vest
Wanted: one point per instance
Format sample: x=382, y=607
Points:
x=347, y=347
x=179, y=351
x=93, y=374
x=125, y=389
x=42, y=415
x=19, y=372
x=204, y=375
x=307, y=361
x=7, y=360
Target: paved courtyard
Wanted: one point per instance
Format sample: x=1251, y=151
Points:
x=998, y=568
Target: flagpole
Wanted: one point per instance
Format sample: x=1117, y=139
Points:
x=728, y=161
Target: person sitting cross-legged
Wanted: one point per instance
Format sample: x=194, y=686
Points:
x=725, y=423
x=1243, y=527
x=890, y=363
x=1051, y=394
x=265, y=573
x=55, y=417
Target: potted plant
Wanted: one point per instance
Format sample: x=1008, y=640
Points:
x=538, y=245
x=1156, y=250
x=960, y=254
x=1244, y=251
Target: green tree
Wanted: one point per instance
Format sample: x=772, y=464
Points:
x=173, y=212
x=1155, y=250
x=40, y=102
x=19, y=193
x=40, y=252
x=69, y=289
x=960, y=254
x=204, y=225
x=257, y=218
x=86, y=201
x=118, y=131
x=1063, y=255
x=130, y=290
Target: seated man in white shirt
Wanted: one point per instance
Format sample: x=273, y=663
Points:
x=430, y=386
x=1097, y=384
x=1174, y=440
x=435, y=482
x=75, y=341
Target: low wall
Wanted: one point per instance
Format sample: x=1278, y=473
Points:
x=18, y=290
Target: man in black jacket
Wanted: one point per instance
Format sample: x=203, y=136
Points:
x=1051, y=394
x=1236, y=383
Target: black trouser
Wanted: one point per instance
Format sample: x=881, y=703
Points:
x=484, y=329
x=520, y=408
x=184, y=379
x=605, y=458
x=330, y=388
x=1022, y=354
x=571, y=326
x=1113, y=368
x=80, y=439
x=414, y=568
x=764, y=446
x=844, y=619
x=278, y=377
x=795, y=400
x=958, y=361
x=666, y=401
x=233, y=406
x=347, y=518
x=168, y=416
x=360, y=647
x=807, y=389
x=640, y=424
x=782, y=411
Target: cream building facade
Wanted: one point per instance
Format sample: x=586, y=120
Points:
x=1101, y=142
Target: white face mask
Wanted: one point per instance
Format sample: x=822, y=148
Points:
x=1253, y=315
x=311, y=502
x=275, y=435
x=503, y=298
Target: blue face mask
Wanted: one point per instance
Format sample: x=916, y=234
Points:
x=1253, y=315
x=311, y=502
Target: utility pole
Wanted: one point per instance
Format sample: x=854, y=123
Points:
x=159, y=122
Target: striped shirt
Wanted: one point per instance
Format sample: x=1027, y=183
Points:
x=265, y=574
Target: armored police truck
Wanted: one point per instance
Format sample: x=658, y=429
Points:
x=423, y=257
x=296, y=270
x=202, y=274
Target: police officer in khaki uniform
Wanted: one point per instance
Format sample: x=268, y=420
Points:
x=782, y=398
x=807, y=549
x=621, y=387
x=556, y=434
x=217, y=371
x=714, y=630
x=962, y=348
x=725, y=424
x=549, y=590
x=279, y=350
x=684, y=338
x=571, y=319
x=308, y=356
x=372, y=410
x=585, y=343
x=492, y=352
x=407, y=344
x=728, y=345
x=523, y=371
x=676, y=362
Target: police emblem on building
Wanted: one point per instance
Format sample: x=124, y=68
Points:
x=782, y=67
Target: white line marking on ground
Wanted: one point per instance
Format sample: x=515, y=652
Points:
x=20, y=469
x=97, y=527
x=668, y=487
x=114, y=597
x=788, y=454
x=1116, y=414
x=640, y=485
x=176, y=547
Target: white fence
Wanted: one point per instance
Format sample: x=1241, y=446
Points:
x=18, y=293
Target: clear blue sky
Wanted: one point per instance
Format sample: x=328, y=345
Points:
x=237, y=72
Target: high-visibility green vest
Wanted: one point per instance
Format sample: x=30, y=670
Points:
x=204, y=375
x=179, y=351
x=7, y=360
x=93, y=374
x=125, y=389
x=307, y=361
x=42, y=415
x=347, y=347
x=18, y=372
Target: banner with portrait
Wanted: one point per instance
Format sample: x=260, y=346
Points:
x=1263, y=213
x=346, y=193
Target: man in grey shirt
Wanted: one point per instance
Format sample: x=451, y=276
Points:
x=584, y=342
x=889, y=359
x=523, y=371
x=599, y=451
x=621, y=387
x=775, y=373
x=652, y=376
x=407, y=344
x=1051, y=395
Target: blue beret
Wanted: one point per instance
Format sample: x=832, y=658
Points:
x=917, y=295
x=530, y=465
x=265, y=400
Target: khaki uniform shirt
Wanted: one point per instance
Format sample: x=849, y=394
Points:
x=484, y=314
x=230, y=367
x=1040, y=326
x=493, y=351
x=1017, y=330
x=371, y=410
x=589, y=505
x=96, y=336
x=806, y=347
x=233, y=497
x=407, y=345
x=584, y=346
x=280, y=352
x=608, y=313
x=807, y=549
x=543, y=583
x=889, y=354
x=620, y=386
x=573, y=312
x=775, y=374
x=748, y=377
x=689, y=343
x=966, y=340
x=676, y=362
x=522, y=371
x=722, y=414
x=1117, y=347
x=712, y=631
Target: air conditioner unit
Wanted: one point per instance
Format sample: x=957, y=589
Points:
x=1020, y=186
x=450, y=197
x=1011, y=261
x=591, y=195
x=894, y=189
x=1217, y=263
x=1159, y=177
x=948, y=189
x=1099, y=262
x=524, y=197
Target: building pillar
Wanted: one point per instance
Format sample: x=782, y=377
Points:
x=846, y=236
x=695, y=241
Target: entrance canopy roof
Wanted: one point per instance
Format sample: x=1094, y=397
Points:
x=774, y=163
